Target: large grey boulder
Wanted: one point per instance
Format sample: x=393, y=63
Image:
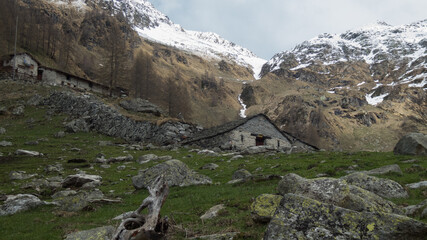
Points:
x=140, y=105
x=78, y=180
x=337, y=192
x=101, y=233
x=299, y=217
x=385, y=188
x=176, y=173
x=77, y=125
x=412, y=144
x=19, y=203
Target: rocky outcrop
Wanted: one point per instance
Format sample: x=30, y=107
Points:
x=104, y=119
x=175, y=172
x=412, y=144
x=337, y=192
x=300, y=217
x=385, y=188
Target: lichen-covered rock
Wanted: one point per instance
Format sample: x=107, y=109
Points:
x=299, y=217
x=385, y=170
x=101, y=233
x=241, y=174
x=78, y=180
x=19, y=203
x=412, y=144
x=264, y=207
x=337, y=192
x=385, y=188
x=176, y=173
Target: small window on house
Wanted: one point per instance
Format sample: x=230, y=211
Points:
x=278, y=144
x=260, y=141
x=68, y=77
x=241, y=138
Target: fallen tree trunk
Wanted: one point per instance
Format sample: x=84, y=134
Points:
x=139, y=227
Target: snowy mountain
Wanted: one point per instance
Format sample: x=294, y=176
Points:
x=155, y=26
x=397, y=52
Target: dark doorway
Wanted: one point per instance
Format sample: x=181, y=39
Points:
x=260, y=141
x=39, y=75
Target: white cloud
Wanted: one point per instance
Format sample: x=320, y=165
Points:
x=270, y=26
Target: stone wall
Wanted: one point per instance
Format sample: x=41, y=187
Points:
x=26, y=65
x=103, y=119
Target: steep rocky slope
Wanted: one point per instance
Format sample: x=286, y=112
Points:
x=360, y=90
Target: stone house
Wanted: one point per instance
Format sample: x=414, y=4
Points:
x=257, y=130
x=26, y=64
x=30, y=68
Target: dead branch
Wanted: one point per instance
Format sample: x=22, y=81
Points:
x=140, y=227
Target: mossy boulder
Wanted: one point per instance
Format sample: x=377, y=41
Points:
x=338, y=192
x=385, y=188
x=299, y=217
x=264, y=206
x=176, y=173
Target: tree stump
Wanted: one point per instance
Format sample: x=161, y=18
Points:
x=141, y=227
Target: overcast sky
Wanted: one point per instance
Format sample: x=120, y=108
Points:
x=267, y=27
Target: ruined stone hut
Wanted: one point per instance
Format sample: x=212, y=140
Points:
x=257, y=130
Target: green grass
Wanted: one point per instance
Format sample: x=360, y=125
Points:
x=184, y=205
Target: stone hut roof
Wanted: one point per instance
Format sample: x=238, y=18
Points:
x=219, y=130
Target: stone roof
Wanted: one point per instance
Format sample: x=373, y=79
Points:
x=216, y=131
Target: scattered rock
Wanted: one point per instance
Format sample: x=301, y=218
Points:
x=78, y=180
x=320, y=175
x=417, y=210
x=385, y=188
x=18, y=111
x=147, y=158
x=105, y=166
x=19, y=203
x=264, y=206
x=105, y=143
x=417, y=185
x=72, y=202
x=176, y=174
x=212, y=212
x=101, y=160
x=337, y=192
x=208, y=153
x=2, y=131
x=55, y=168
x=5, y=144
x=121, y=168
x=164, y=158
x=236, y=157
x=63, y=194
x=127, y=158
x=412, y=144
x=236, y=181
x=77, y=160
x=210, y=166
x=101, y=233
x=20, y=175
x=22, y=152
x=385, y=170
x=299, y=217
x=241, y=174
x=410, y=161
x=77, y=125
x=415, y=168
x=60, y=134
